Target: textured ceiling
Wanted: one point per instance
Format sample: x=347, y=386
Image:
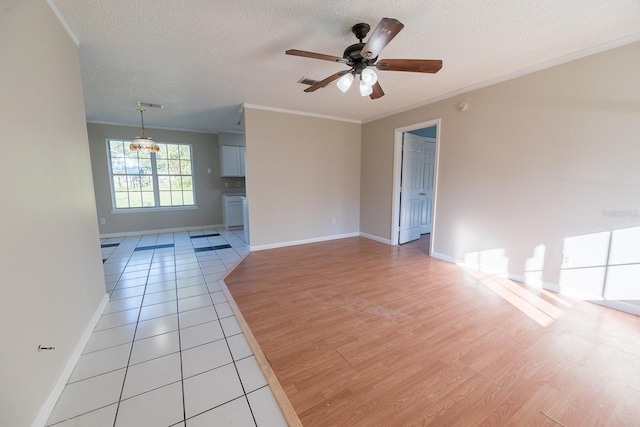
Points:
x=202, y=59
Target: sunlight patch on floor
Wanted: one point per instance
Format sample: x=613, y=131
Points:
x=539, y=310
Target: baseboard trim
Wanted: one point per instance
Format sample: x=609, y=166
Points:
x=56, y=391
x=376, y=238
x=619, y=305
x=444, y=257
x=302, y=242
x=553, y=287
x=162, y=230
x=511, y=276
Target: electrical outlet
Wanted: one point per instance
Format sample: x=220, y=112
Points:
x=333, y=221
x=103, y=221
x=226, y=185
x=567, y=260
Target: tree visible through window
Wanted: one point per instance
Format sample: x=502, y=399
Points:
x=142, y=179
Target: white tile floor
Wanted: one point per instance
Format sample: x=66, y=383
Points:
x=168, y=350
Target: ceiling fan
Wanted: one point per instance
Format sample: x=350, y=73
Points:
x=361, y=56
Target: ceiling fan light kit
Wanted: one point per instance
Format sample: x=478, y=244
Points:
x=344, y=82
x=368, y=76
x=365, y=89
x=360, y=56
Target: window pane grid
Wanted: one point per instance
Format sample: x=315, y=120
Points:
x=175, y=175
x=145, y=179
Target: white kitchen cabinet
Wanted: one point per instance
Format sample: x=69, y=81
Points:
x=231, y=161
x=233, y=212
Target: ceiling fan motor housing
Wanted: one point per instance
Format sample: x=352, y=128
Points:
x=352, y=55
x=360, y=30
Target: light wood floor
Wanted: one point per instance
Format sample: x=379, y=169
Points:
x=360, y=333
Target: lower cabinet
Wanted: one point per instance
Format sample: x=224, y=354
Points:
x=245, y=216
x=233, y=213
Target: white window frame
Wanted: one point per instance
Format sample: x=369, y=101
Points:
x=155, y=180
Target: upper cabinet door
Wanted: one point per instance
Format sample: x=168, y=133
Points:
x=231, y=161
x=242, y=162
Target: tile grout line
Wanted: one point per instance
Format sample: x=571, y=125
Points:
x=175, y=274
x=127, y=248
x=235, y=366
x=122, y=272
x=124, y=380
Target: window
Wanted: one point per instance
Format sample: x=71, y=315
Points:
x=141, y=179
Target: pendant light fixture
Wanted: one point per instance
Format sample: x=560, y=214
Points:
x=143, y=143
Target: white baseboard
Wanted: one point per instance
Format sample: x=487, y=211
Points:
x=376, y=238
x=511, y=276
x=554, y=287
x=56, y=391
x=163, y=230
x=446, y=258
x=302, y=242
x=620, y=306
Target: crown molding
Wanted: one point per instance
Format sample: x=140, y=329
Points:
x=300, y=113
x=63, y=21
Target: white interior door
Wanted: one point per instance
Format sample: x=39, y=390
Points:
x=432, y=127
x=428, y=172
x=411, y=187
x=416, y=197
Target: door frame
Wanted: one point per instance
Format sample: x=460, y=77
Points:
x=397, y=175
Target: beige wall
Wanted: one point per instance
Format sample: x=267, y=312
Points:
x=209, y=186
x=50, y=269
x=535, y=160
x=301, y=173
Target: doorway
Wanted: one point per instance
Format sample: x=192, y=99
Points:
x=415, y=182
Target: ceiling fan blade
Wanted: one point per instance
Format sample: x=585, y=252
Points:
x=413, y=65
x=377, y=91
x=323, y=83
x=386, y=30
x=305, y=54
